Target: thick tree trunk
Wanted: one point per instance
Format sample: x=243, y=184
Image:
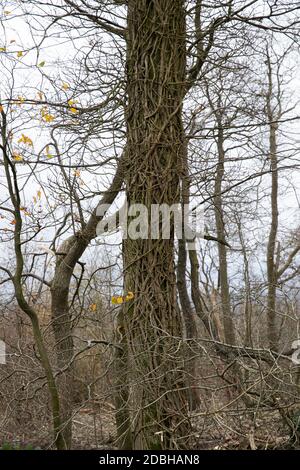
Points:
x=156, y=67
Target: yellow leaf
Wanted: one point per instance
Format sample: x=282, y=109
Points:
x=120, y=300
x=41, y=64
x=1, y=108
x=34, y=199
x=17, y=157
x=7, y=12
x=117, y=300
x=71, y=102
x=25, y=140
x=93, y=307
x=48, y=154
x=65, y=86
x=74, y=110
x=23, y=209
x=39, y=194
x=2, y=49
x=129, y=296
x=77, y=173
x=48, y=118
x=20, y=100
x=20, y=54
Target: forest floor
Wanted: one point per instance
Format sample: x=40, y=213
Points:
x=96, y=430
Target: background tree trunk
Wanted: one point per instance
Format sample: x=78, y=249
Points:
x=62, y=329
x=222, y=250
x=271, y=247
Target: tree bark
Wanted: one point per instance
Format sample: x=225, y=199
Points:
x=156, y=69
